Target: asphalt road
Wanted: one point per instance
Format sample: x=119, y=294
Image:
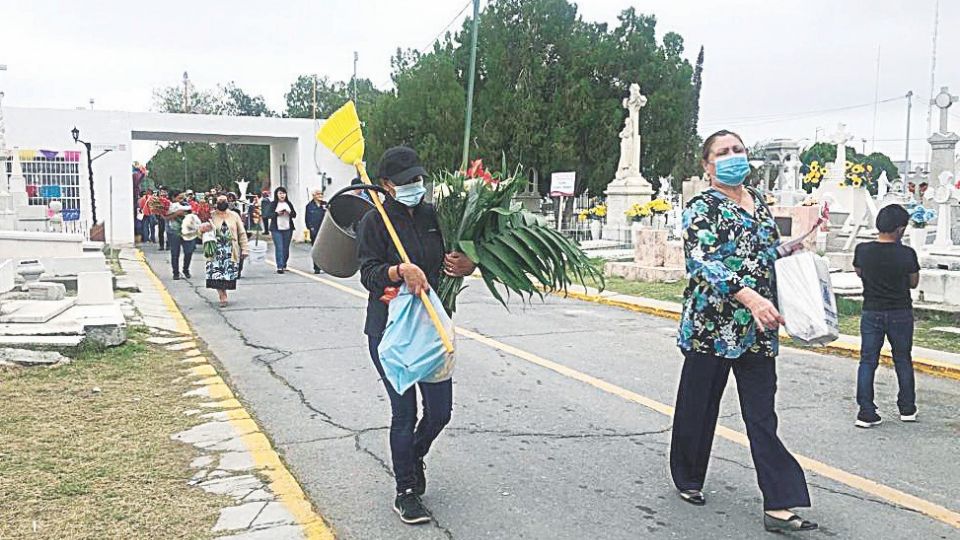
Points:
x=559, y=427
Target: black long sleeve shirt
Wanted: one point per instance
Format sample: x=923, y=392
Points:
x=419, y=232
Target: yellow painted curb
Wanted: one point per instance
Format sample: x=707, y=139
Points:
x=281, y=481
x=923, y=365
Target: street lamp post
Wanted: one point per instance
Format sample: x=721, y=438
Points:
x=90, y=159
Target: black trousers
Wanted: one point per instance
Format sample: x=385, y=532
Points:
x=162, y=232
x=410, y=440
x=314, y=231
x=702, y=381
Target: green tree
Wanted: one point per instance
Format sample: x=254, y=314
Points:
x=548, y=93
x=201, y=166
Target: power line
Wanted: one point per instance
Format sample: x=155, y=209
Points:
x=775, y=117
x=449, y=24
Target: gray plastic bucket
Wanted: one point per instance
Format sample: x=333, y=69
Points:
x=335, y=250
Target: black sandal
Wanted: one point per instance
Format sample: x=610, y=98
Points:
x=793, y=523
x=693, y=496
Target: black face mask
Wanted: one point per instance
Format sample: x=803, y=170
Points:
x=221, y=206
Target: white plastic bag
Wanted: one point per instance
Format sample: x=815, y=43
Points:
x=806, y=299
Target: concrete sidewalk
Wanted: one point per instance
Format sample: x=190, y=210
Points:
x=234, y=457
x=924, y=360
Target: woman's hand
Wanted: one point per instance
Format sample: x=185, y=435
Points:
x=457, y=264
x=414, y=278
x=764, y=313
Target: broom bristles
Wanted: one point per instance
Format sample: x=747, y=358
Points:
x=342, y=134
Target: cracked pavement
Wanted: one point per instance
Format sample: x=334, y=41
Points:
x=533, y=454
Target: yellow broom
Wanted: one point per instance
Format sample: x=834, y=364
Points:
x=343, y=135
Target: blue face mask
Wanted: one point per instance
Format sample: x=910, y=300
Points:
x=410, y=194
x=733, y=170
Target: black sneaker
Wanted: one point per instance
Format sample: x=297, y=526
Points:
x=909, y=415
x=410, y=509
x=421, y=486
x=186, y=274
x=868, y=419
x=176, y=277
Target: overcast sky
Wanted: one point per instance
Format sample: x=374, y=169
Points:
x=770, y=65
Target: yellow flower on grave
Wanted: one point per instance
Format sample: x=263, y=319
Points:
x=815, y=180
x=858, y=168
x=847, y=165
x=869, y=168
x=814, y=165
x=582, y=216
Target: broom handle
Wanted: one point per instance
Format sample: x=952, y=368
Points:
x=447, y=344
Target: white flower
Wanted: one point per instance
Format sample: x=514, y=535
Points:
x=440, y=191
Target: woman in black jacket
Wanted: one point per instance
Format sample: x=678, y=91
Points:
x=281, y=218
x=381, y=267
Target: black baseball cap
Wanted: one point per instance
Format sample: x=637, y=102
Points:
x=401, y=165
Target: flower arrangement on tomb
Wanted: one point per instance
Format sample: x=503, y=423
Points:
x=812, y=173
x=860, y=170
x=660, y=206
x=920, y=216
x=511, y=247
x=638, y=211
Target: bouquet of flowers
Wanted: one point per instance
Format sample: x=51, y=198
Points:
x=510, y=246
x=638, y=211
x=209, y=239
x=159, y=205
x=920, y=216
x=660, y=206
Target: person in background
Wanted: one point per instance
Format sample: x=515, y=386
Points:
x=265, y=204
x=380, y=268
x=889, y=270
x=729, y=323
x=313, y=216
x=176, y=214
x=162, y=223
x=148, y=233
x=282, y=214
x=362, y=193
x=231, y=247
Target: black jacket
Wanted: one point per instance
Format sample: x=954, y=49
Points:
x=272, y=215
x=314, y=213
x=420, y=236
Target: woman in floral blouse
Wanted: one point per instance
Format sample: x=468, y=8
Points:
x=730, y=322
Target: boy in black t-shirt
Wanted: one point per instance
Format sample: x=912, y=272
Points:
x=889, y=270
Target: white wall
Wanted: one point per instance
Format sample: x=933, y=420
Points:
x=49, y=129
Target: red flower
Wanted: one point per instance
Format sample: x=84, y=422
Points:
x=488, y=179
x=476, y=169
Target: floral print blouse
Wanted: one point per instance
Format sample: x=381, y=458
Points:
x=726, y=250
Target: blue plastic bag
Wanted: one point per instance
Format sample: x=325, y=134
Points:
x=411, y=350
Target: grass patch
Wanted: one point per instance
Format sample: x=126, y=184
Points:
x=849, y=311
x=113, y=259
x=78, y=464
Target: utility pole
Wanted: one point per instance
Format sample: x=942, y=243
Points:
x=355, y=58
x=876, y=104
x=470, y=81
x=186, y=92
x=906, y=152
x=933, y=72
x=314, y=96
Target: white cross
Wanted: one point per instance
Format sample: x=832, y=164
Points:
x=944, y=100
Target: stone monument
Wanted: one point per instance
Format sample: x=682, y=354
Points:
x=945, y=195
x=832, y=189
x=943, y=143
x=629, y=187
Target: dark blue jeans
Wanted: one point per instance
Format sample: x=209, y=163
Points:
x=897, y=327
x=281, y=246
x=148, y=234
x=176, y=244
x=410, y=441
x=702, y=382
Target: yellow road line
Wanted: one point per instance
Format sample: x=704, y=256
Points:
x=866, y=485
x=280, y=480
